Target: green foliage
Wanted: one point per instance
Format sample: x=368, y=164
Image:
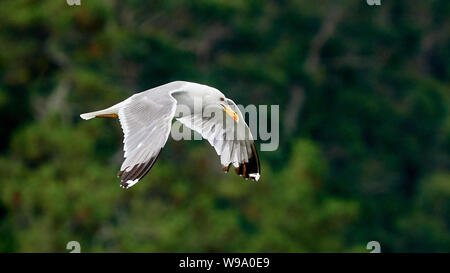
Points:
x=364, y=153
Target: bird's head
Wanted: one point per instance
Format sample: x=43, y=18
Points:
x=221, y=100
x=230, y=112
x=213, y=97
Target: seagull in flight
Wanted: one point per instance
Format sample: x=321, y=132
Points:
x=146, y=121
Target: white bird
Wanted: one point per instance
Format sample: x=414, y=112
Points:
x=146, y=120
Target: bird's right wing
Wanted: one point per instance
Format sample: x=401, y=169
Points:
x=146, y=119
x=232, y=141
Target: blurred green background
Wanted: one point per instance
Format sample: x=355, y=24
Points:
x=364, y=125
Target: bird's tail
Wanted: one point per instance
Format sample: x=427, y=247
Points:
x=99, y=114
x=111, y=112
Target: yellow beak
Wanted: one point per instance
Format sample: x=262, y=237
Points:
x=230, y=112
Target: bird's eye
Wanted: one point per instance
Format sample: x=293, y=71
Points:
x=222, y=99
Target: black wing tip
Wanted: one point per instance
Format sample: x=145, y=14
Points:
x=124, y=185
x=248, y=170
x=225, y=169
x=130, y=177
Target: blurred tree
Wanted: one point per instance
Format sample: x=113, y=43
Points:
x=365, y=125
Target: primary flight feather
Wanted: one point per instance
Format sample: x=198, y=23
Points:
x=146, y=120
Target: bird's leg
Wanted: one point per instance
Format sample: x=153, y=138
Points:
x=107, y=116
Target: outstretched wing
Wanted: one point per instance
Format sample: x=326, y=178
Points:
x=146, y=120
x=232, y=141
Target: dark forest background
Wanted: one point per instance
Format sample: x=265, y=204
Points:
x=364, y=125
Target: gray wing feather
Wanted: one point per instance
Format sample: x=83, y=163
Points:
x=146, y=119
x=234, y=144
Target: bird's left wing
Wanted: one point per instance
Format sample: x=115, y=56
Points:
x=146, y=120
x=232, y=141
